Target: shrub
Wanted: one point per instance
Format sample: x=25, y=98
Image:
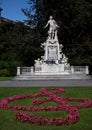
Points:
x=8, y=68
x=4, y=72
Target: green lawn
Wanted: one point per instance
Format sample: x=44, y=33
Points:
x=5, y=78
x=7, y=121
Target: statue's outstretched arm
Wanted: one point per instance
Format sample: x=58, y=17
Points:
x=46, y=25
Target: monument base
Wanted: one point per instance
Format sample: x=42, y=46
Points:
x=52, y=72
x=52, y=77
x=51, y=69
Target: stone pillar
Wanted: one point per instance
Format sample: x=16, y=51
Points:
x=46, y=52
x=32, y=70
x=72, y=69
x=87, y=70
x=18, y=71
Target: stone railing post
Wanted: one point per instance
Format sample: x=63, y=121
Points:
x=72, y=69
x=18, y=71
x=87, y=70
x=32, y=70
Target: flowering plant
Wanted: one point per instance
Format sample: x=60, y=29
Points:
x=50, y=94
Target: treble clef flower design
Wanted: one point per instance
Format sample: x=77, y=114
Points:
x=49, y=94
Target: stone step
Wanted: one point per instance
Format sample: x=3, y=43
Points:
x=51, y=77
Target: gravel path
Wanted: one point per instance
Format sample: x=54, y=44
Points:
x=47, y=83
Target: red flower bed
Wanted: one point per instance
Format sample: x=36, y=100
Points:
x=50, y=95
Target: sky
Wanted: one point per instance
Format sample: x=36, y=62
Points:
x=12, y=9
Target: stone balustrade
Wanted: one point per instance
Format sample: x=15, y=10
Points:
x=25, y=70
x=79, y=69
x=71, y=69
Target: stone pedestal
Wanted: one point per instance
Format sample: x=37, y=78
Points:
x=53, y=68
x=54, y=61
x=52, y=51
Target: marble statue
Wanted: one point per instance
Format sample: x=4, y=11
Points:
x=53, y=27
x=64, y=58
x=38, y=62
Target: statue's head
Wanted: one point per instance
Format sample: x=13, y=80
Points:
x=51, y=17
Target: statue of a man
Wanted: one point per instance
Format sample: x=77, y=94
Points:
x=53, y=27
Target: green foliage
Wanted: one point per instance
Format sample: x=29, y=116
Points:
x=5, y=78
x=4, y=72
x=74, y=18
x=18, y=46
x=21, y=43
x=12, y=67
x=8, y=68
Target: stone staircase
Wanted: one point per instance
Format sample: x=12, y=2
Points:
x=52, y=77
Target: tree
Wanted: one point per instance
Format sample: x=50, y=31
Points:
x=75, y=21
x=17, y=47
